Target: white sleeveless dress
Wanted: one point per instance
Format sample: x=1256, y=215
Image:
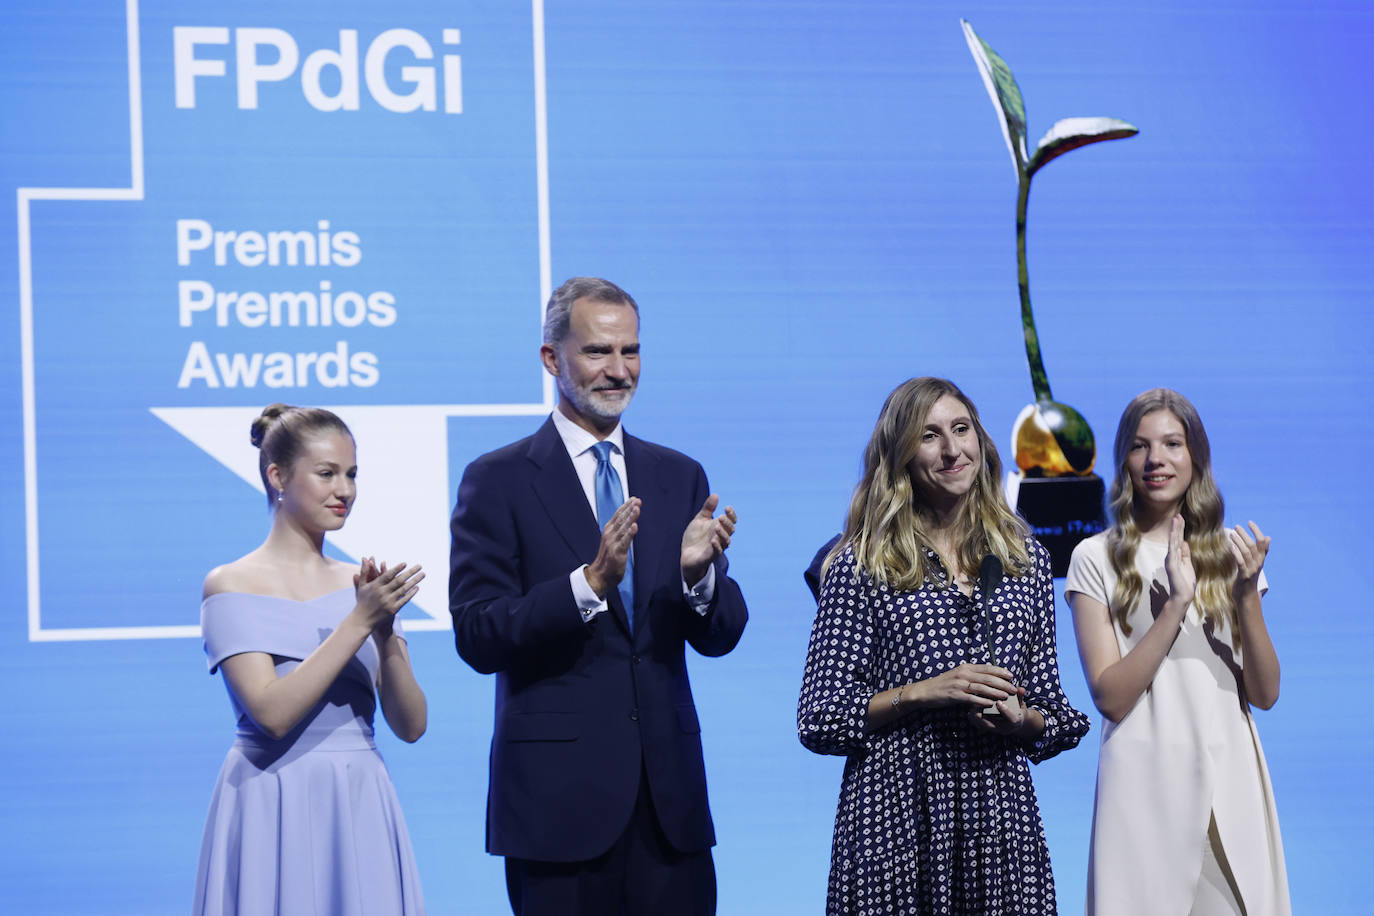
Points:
x=1187, y=751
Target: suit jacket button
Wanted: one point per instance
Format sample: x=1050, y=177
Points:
x=635, y=659
x=634, y=715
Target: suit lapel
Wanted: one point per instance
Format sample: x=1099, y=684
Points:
x=558, y=489
x=655, y=525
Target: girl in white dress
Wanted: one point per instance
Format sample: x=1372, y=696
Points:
x=1166, y=608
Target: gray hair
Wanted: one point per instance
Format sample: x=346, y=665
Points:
x=558, y=313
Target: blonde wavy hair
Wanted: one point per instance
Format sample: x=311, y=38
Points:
x=1203, y=510
x=887, y=524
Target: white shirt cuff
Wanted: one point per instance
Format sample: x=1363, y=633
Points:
x=699, y=596
x=588, y=605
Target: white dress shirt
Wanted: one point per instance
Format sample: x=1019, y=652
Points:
x=579, y=444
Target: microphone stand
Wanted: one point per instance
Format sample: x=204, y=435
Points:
x=990, y=573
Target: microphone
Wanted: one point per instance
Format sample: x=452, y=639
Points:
x=989, y=577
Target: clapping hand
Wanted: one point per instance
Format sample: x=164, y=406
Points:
x=381, y=592
x=1250, y=553
x=605, y=572
x=706, y=538
x=1178, y=565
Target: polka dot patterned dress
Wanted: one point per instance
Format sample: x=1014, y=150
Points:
x=934, y=816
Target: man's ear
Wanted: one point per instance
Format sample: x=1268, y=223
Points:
x=548, y=355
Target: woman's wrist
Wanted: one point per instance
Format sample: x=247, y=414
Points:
x=355, y=625
x=911, y=696
x=903, y=701
x=1175, y=607
x=1032, y=724
x=388, y=641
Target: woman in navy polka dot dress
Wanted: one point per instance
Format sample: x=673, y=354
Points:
x=937, y=813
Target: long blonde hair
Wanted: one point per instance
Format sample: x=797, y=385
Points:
x=1203, y=510
x=887, y=524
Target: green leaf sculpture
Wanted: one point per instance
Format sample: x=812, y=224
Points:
x=1051, y=438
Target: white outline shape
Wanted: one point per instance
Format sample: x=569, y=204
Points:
x=135, y=193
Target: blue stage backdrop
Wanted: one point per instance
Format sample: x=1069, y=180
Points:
x=364, y=205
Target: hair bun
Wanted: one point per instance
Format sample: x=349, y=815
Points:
x=264, y=422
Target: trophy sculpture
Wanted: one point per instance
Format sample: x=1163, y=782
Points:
x=1053, y=487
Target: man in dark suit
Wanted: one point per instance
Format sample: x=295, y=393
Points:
x=583, y=561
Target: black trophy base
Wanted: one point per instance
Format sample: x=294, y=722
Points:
x=1061, y=511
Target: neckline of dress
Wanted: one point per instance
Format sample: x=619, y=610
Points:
x=952, y=582
x=282, y=597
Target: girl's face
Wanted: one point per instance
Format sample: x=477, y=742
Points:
x=320, y=489
x=1160, y=465
x=948, y=454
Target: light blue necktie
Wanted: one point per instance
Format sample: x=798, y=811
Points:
x=609, y=499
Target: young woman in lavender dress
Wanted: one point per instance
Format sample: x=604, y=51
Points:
x=304, y=819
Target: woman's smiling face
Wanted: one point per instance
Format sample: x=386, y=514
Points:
x=1159, y=462
x=948, y=455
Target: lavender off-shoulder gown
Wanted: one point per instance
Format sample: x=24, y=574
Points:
x=309, y=823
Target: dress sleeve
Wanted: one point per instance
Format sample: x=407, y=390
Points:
x=832, y=711
x=1087, y=572
x=232, y=623
x=1064, y=725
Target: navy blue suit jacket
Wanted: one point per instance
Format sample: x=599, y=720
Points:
x=579, y=705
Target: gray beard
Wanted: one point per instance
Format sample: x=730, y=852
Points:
x=590, y=405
